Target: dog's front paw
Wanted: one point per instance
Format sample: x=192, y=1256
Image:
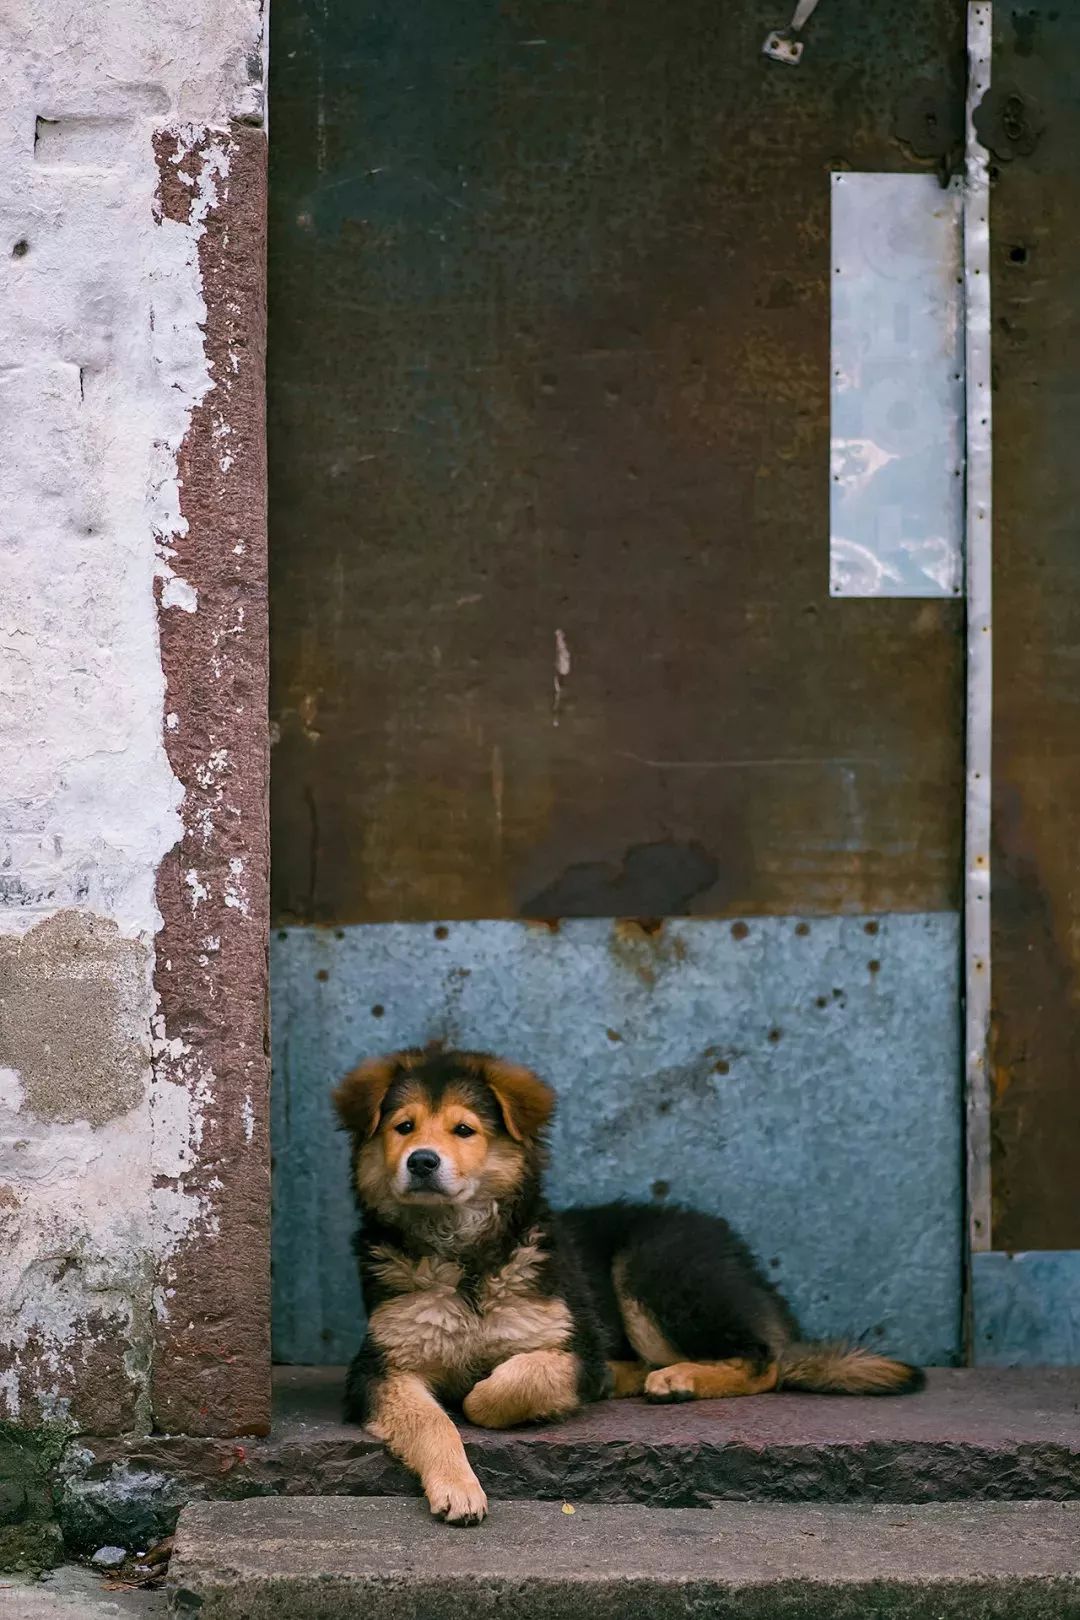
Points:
x=459, y=1500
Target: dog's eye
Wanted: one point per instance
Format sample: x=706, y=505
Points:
x=464, y=1130
x=404, y=1127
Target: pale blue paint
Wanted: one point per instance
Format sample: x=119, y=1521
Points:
x=833, y=1140
x=897, y=388
x=1026, y=1309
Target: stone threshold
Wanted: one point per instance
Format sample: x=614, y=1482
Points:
x=973, y=1434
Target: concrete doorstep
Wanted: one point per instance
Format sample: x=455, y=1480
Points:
x=336, y=1558
x=986, y=1434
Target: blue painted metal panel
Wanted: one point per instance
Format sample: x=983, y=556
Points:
x=1026, y=1308
x=799, y=1077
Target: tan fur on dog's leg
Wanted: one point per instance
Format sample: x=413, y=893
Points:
x=627, y=1378
x=533, y=1385
x=412, y=1425
x=710, y=1380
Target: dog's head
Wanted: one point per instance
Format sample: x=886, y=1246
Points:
x=444, y=1128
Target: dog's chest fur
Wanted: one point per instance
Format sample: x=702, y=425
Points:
x=428, y=1326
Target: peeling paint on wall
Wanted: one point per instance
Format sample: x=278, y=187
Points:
x=212, y=1290
x=106, y=364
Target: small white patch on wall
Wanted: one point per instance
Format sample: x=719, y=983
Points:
x=562, y=670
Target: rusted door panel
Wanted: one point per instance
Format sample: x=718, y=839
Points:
x=1032, y=124
x=549, y=461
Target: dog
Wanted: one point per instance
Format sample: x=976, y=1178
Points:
x=481, y=1297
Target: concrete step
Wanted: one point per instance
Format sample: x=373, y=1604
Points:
x=984, y=1434
x=321, y=1558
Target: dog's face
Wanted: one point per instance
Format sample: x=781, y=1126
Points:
x=449, y=1128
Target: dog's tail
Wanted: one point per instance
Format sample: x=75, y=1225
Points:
x=845, y=1369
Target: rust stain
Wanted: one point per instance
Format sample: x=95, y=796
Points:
x=633, y=950
x=1033, y=122
x=644, y=946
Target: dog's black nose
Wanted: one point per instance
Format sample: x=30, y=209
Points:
x=424, y=1162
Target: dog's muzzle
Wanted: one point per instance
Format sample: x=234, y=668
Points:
x=423, y=1166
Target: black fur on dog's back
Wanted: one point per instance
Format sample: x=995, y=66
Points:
x=708, y=1297
x=691, y=1270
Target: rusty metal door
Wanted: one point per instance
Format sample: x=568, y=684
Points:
x=1026, y=1284
x=553, y=639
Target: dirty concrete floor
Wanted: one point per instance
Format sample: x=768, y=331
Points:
x=75, y=1593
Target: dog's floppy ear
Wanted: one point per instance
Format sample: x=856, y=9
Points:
x=526, y=1102
x=360, y=1095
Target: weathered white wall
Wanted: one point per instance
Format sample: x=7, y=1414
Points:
x=102, y=363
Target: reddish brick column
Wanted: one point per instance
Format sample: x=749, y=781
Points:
x=211, y=1372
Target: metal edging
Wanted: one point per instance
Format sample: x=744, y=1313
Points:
x=978, y=547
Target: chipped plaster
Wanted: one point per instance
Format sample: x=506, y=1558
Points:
x=104, y=364
x=73, y=1018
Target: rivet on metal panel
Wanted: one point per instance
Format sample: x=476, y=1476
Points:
x=781, y=44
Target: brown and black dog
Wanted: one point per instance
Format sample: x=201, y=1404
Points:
x=479, y=1296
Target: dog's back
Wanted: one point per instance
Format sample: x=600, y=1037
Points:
x=674, y=1285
